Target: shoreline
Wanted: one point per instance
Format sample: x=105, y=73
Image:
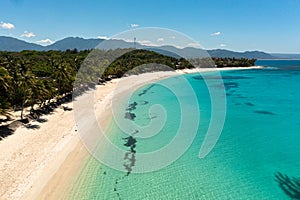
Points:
x=44, y=163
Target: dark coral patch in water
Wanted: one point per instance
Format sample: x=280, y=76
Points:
x=264, y=112
x=129, y=115
x=249, y=104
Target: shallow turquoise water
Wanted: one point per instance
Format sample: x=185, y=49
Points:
x=261, y=137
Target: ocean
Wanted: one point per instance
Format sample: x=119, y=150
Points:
x=256, y=155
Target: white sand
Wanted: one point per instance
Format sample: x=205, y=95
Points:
x=43, y=163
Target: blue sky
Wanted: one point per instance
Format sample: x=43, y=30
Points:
x=271, y=26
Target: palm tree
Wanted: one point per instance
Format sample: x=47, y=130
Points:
x=25, y=84
x=63, y=75
x=4, y=86
x=39, y=93
x=24, y=81
x=4, y=107
x=4, y=78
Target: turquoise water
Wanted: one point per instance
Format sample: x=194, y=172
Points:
x=260, y=139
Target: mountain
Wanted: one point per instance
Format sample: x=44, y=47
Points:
x=187, y=52
x=248, y=54
x=191, y=52
x=72, y=43
x=13, y=44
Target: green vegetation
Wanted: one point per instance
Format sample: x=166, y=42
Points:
x=128, y=63
x=233, y=62
x=222, y=62
x=31, y=78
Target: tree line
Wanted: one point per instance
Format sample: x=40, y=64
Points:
x=233, y=62
x=31, y=78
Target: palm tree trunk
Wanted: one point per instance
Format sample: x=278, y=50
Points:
x=22, y=109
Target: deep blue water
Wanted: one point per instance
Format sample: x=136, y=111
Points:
x=280, y=64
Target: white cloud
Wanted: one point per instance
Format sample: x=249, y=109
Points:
x=134, y=25
x=179, y=47
x=172, y=37
x=125, y=39
x=222, y=45
x=147, y=43
x=103, y=37
x=45, y=41
x=194, y=44
x=6, y=25
x=28, y=34
x=216, y=33
x=160, y=40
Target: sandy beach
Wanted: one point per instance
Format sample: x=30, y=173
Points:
x=43, y=163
